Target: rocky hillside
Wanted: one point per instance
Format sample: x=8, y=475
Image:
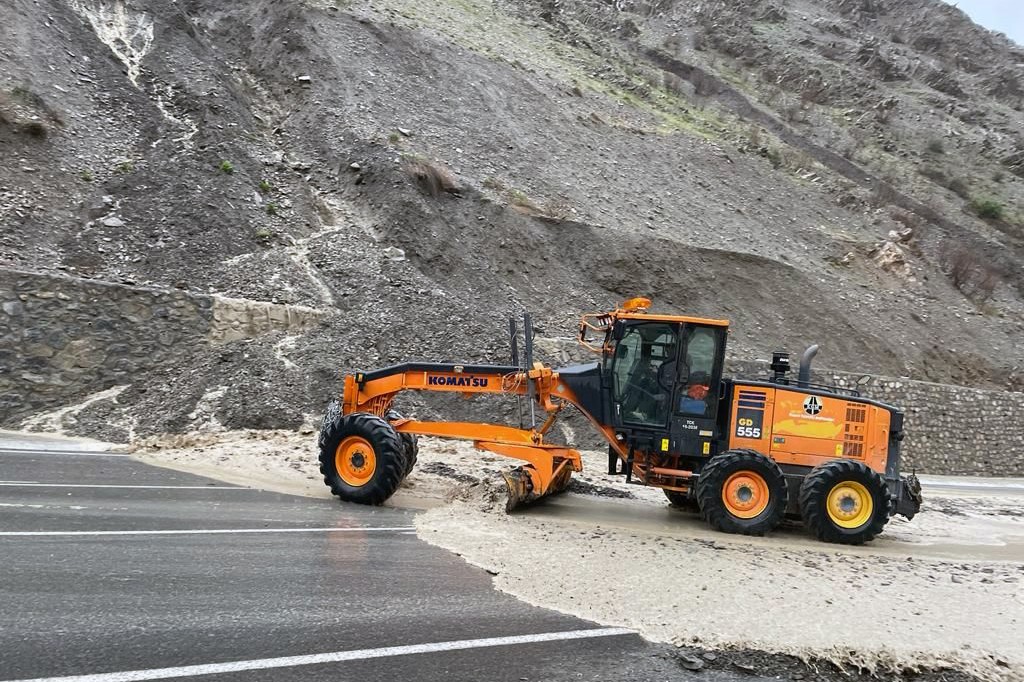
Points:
x=848, y=172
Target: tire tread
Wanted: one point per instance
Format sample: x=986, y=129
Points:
x=709, y=492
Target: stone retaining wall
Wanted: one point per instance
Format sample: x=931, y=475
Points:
x=64, y=338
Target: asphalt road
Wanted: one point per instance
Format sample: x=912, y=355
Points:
x=114, y=570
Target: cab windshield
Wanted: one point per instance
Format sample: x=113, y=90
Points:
x=643, y=373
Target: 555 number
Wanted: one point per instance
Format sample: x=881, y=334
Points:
x=745, y=429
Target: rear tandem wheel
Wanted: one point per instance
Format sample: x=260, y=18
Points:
x=845, y=502
x=742, y=491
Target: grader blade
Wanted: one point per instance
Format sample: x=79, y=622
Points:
x=520, y=488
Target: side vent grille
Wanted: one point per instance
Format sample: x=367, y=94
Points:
x=856, y=418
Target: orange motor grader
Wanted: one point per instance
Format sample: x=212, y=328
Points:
x=744, y=452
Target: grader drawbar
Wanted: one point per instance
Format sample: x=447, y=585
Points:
x=745, y=453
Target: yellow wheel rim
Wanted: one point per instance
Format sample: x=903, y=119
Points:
x=355, y=461
x=745, y=494
x=850, y=505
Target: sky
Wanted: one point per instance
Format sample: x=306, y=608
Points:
x=1005, y=16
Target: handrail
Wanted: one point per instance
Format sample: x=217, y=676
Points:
x=602, y=326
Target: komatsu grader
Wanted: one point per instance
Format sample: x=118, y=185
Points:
x=746, y=453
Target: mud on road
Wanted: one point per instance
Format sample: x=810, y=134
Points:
x=944, y=591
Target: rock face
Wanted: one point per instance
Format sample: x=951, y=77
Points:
x=386, y=181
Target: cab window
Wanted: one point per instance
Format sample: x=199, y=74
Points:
x=645, y=353
x=697, y=373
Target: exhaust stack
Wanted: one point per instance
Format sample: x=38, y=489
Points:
x=804, y=377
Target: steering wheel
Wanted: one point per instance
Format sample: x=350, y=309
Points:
x=637, y=391
x=656, y=396
x=666, y=382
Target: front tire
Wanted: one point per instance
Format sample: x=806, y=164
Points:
x=844, y=502
x=412, y=451
x=331, y=415
x=743, y=492
x=362, y=458
x=409, y=441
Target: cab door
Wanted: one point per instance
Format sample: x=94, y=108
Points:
x=698, y=387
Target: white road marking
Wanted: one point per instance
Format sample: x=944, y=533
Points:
x=335, y=657
x=75, y=453
x=947, y=484
x=75, y=507
x=37, y=484
x=194, y=531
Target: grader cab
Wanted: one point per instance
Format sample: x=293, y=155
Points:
x=744, y=452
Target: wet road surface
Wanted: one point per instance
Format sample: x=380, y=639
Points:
x=115, y=570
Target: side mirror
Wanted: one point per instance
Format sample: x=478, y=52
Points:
x=618, y=330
